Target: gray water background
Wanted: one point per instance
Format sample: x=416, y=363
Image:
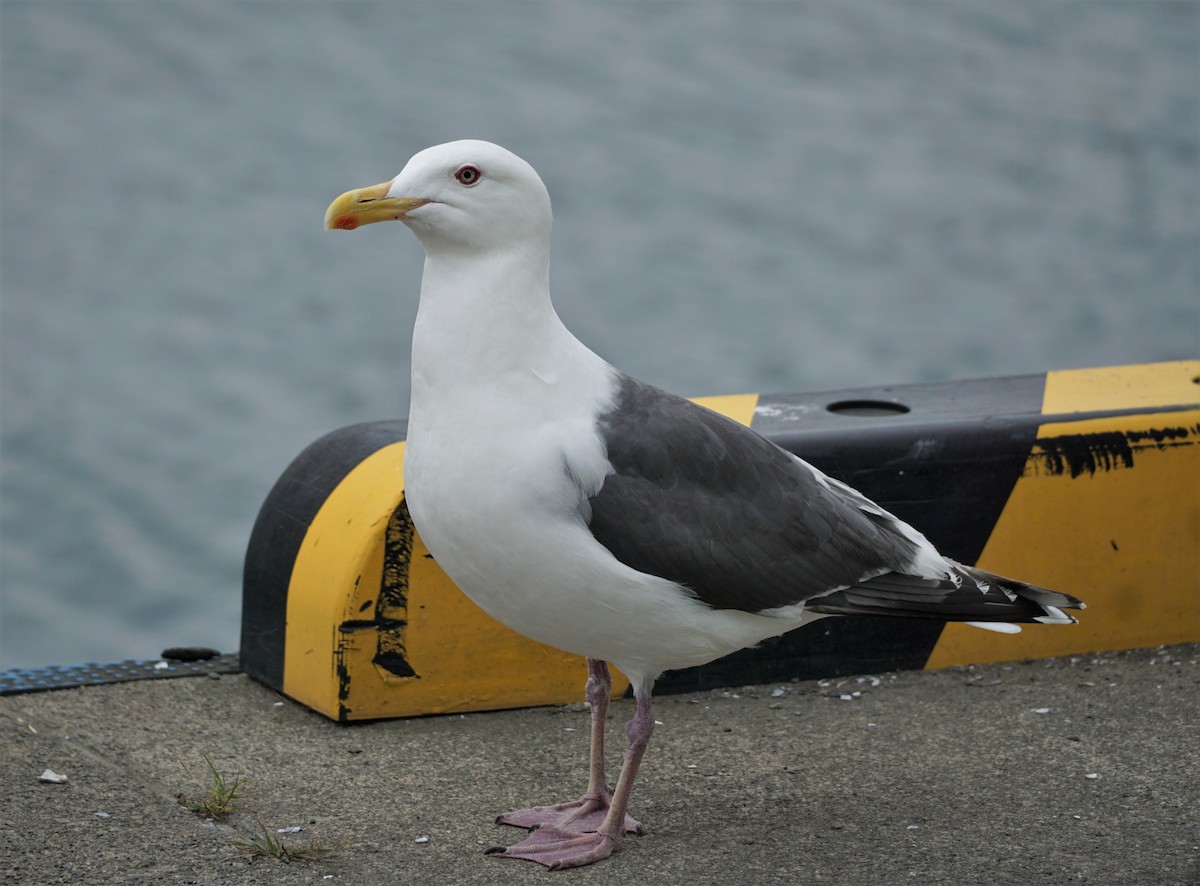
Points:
x=749, y=196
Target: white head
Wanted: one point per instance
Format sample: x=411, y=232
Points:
x=464, y=195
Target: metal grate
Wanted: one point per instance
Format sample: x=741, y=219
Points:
x=13, y=682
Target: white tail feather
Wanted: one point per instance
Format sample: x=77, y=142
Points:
x=1000, y=627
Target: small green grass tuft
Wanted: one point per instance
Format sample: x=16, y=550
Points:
x=220, y=796
x=270, y=846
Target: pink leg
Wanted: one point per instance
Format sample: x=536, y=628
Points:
x=557, y=847
x=588, y=812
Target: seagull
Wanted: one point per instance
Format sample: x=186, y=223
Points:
x=603, y=516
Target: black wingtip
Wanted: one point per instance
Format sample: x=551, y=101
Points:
x=970, y=594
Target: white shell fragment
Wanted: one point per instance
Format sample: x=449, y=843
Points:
x=52, y=777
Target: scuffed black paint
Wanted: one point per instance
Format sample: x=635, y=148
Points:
x=391, y=613
x=390, y=618
x=377, y=623
x=343, y=678
x=395, y=663
x=1079, y=454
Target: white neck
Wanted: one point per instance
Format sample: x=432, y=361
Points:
x=486, y=322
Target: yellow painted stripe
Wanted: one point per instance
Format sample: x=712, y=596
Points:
x=1125, y=539
x=739, y=407
x=343, y=536
x=1122, y=387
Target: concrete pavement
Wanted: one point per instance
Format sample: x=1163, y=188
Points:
x=1073, y=770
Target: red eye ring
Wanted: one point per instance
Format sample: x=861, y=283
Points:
x=468, y=175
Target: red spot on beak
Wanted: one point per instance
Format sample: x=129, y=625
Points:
x=345, y=223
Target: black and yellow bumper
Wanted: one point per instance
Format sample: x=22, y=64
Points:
x=1085, y=481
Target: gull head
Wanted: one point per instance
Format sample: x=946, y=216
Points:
x=463, y=195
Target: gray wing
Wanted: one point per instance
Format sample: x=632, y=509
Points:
x=699, y=499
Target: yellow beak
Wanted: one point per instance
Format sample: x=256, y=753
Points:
x=366, y=206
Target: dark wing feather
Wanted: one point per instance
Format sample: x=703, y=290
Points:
x=699, y=499
x=970, y=595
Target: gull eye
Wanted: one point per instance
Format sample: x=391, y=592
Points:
x=468, y=175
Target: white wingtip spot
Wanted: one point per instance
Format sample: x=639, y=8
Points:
x=1055, y=616
x=1000, y=627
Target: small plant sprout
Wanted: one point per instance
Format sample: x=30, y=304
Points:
x=267, y=845
x=220, y=795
